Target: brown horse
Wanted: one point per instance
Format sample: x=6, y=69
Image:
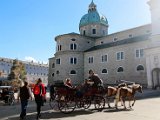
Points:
x=112, y=92
x=129, y=93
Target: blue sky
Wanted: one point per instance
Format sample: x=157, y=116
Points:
x=28, y=27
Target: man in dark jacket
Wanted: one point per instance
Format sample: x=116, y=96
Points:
x=95, y=78
x=24, y=95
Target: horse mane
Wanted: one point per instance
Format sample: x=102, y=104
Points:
x=122, y=85
x=136, y=85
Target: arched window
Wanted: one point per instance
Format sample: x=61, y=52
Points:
x=104, y=71
x=120, y=69
x=52, y=74
x=140, y=67
x=93, y=31
x=57, y=72
x=73, y=60
x=90, y=60
x=73, y=39
x=73, y=46
x=53, y=65
x=73, y=72
x=84, y=32
x=60, y=47
x=58, y=61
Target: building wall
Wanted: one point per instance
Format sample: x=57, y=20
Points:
x=63, y=70
x=34, y=70
x=153, y=50
x=83, y=43
x=65, y=67
x=141, y=30
x=152, y=62
x=51, y=71
x=5, y=67
x=129, y=63
x=101, y=30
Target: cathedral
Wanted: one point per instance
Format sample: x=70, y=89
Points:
x=132, y=55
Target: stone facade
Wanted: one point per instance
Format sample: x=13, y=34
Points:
x=118, y=56
x=129, y=63
x=34, y=70
x=153, y=49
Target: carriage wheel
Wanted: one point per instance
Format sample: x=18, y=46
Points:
x=66, y=106
x=52, y=102
x=79, y=104
x=86, y=102
x=99, y=102
x=11, y=100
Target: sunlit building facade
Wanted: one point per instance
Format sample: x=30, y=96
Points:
x=124, y=55
x=33, y=70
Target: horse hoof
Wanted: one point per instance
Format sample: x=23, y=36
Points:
x=109, y=106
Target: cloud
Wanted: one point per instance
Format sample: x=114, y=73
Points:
x=45, y=62
x=30, y=59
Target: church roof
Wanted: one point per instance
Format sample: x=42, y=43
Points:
x=93, y=16
x=72, y=33
x=121, y=42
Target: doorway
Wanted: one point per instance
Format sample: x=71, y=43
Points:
x=156, y=78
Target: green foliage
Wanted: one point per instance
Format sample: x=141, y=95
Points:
x=18, y=72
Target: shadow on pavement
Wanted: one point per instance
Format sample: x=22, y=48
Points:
x=54, y=115
x=147, y=95
x=111, y=110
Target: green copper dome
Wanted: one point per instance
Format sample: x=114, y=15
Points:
x=92, y=17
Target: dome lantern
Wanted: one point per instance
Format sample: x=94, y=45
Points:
x=93, y=20
x=92, y=7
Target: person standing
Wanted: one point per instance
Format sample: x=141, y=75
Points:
x=39, y=95
x=24, y=95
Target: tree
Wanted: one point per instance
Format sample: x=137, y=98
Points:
x=18, y=73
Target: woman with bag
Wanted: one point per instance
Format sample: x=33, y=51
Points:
x=39, y=94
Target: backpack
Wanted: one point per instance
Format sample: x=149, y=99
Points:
x=39, y=90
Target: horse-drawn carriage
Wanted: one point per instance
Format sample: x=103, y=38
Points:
x=7, y=94
x=69, y=99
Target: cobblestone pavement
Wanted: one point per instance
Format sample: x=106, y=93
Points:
x=146, y=108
